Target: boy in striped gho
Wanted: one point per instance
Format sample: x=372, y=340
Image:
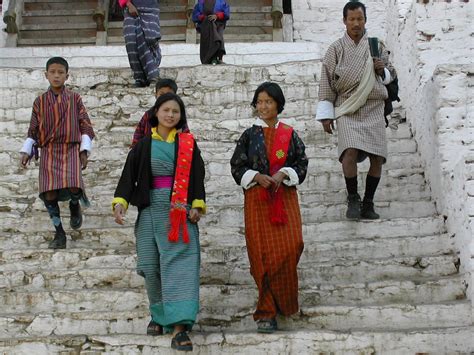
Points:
x=61, y=127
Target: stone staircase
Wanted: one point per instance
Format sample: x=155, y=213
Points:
x=55, y=22
x=386, y=286
x=62, y=22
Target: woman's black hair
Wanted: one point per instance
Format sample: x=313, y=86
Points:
x=274, y=91
x=160, y=101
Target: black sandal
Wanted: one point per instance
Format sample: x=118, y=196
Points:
x=154, y=329
x=267, y=326
x=181, y=342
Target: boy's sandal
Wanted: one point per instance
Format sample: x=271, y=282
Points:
x=267, y=325
x=154, y=329
x=181, y=342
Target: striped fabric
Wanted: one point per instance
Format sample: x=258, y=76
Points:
x=273, y=250
x=171, y=270
x=57, y=124
x=142, y=35
x=341, y=72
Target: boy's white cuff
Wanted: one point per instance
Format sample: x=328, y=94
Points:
x=291, y=173
x=325, y=111
x=27, y=146
x=247, y=180
x=86, y=143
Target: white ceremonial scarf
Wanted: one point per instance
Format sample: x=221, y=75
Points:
x=359, y=97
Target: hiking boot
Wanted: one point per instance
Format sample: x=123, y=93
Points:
x=59, y=241
x=76, y=215
x=367, y=210
x=353, y=206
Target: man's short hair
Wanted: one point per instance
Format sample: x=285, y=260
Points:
x=353, y=5
x=57, y=60
x=166, y=83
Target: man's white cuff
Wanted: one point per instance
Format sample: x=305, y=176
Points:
x=325, y=111
x=291, y=173
x=247, y=180
x=388, y=78
x=27, y=146
x=86, y=143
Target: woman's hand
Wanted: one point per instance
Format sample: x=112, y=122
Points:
x=264, y=180
x=278, y=177
x=119, y=213
x=132, y=10
x=194, y=215
x=212, y=17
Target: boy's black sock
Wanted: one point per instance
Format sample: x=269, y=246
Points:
x=75, y=197
x=351, y=185
x=53, y=210
x=371, y=184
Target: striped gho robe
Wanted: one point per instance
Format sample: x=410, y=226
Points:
x=341, y=72
x=142, y=35
x=58, y=124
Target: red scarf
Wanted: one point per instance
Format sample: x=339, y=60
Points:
x=277, y=160
x=179, y=196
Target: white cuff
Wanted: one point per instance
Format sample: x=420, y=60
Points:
x=247, y=180
x=388, y=78
x=325, y=111
x=291, y=173
x=27, y=146
x=86, y=143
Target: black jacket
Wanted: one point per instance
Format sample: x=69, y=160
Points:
x=251, y=153
x=136, y=180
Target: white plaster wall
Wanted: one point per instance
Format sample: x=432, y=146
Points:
x=3, y=34
x=433, y=56
x=321, y=20
x=432, y=48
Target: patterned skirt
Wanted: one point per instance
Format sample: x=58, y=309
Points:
x=171, y=270
x=274, y=252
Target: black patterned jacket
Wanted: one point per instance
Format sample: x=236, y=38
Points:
x=250, y=154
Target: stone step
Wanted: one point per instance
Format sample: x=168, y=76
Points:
x=340, y=231
x=301, y=341
x=234, y=269
x=213, y=250
x=235, y=300
x=342, y=318
x=56, y=26
x=100, y=216
x=56, y=41
x=53, y=6
x=88, y=11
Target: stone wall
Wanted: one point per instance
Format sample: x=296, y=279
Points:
x=434, y=61
x=321, y=21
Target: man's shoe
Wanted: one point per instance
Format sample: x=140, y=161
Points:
x=59, y=241
x=353, y=206
x=76, y=215
x=367, y=210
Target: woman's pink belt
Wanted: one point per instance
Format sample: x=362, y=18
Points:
x=162, y=182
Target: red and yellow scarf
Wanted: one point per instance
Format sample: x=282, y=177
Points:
x=179, y=196
x=277, y=160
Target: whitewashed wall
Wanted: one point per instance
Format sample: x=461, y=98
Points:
x=321, y=20
x=433, y=56
x=433, y=52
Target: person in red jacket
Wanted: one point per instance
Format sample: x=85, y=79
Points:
x=210, y=17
